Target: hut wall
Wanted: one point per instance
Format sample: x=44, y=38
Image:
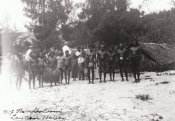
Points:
x=157, y=57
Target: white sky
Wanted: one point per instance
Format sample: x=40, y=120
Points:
x=13, y=9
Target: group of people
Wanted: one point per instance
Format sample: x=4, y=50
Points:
x=108, y=59
x=56, y=65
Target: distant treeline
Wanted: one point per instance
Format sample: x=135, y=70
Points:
x=111, y=21
x=114, y=22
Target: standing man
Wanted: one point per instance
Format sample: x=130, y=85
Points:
x=67, y=66
x=91, y=65
x=80, y=54
x=101, y=58
x=33, y=66
x=135, y=57
x=111, y=62
x=81, y=65
x=122, y=61
x=60, y=64
x=52, y=64
x=41, y=68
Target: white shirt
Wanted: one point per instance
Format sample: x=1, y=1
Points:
x=77, y=53
x=65, y=47
x=80, y=60
x=60, y=61
x=27, y=55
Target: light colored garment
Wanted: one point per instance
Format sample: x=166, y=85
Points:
x=65, y=47
x=80, y=60
x=27, y=55
x=60, y=61
x=77, y=53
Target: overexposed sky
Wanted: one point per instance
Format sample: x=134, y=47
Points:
x=13, y=10
x=152, y=5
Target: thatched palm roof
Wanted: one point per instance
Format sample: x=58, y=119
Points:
x=157, y=57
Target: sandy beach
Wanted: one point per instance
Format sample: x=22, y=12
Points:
x=79, y=101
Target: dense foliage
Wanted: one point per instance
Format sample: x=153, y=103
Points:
x=47, y=17
x=111, y=21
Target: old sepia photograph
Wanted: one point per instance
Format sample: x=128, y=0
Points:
x=87, y=60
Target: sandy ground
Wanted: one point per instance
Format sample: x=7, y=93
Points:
x=79, y=101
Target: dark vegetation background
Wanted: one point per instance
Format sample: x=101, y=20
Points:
x=111, y=21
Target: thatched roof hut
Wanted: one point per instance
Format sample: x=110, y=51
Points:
x=157, y=57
